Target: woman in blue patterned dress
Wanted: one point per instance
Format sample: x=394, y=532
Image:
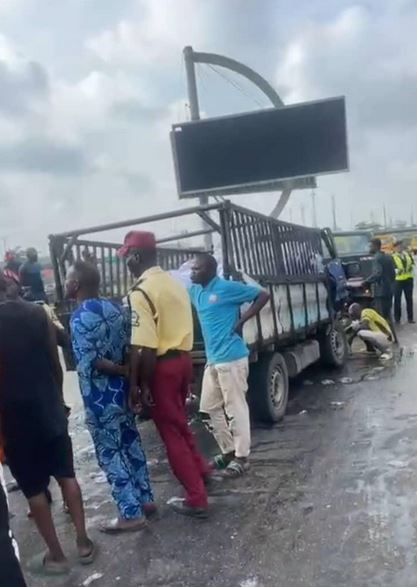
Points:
x=100, y=335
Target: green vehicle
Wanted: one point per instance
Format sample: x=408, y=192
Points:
x=353, y=250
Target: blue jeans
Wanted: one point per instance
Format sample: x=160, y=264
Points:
x=120, y=455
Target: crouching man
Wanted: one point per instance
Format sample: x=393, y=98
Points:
x=373, y=329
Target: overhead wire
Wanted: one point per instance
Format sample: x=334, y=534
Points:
x=235, y=84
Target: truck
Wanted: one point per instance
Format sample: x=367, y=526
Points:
x=352, y=247
x=389, y=236
x=298, y=327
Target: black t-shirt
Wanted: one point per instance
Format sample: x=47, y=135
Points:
x=31, y=277
x=31, y=406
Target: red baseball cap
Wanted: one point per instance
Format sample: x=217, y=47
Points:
x=136, y=239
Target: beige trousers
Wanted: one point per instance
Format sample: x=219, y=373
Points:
x=223, y=400
x=378, y=339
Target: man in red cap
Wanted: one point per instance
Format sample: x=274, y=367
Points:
x=161, y=366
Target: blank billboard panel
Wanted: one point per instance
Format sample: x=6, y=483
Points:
x=256, y=150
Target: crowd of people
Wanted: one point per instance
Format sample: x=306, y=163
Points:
x=126, y=362
x=134, y=359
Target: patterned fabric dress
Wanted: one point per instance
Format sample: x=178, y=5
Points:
x=100, y=330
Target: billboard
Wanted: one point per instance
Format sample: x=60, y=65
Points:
x=260, y=151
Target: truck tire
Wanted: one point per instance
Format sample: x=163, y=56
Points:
x=268, y=388
x=334, y=347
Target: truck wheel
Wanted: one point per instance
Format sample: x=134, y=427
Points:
x=334, y=347
x=268, y=388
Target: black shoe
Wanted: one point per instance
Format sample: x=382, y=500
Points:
x=181, y=507
x=411, y=321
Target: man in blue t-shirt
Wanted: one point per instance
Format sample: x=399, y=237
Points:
x=223, y=398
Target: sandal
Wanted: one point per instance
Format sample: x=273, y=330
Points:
x=221, y=462
x=114, y=527
x=235, y=469
x=88, y=559
x=39, y=565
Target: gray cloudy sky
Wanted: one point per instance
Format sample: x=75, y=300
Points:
x=89, y=89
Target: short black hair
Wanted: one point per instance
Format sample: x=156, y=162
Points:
x=209, y=260
x=377, y=242
x=87, y=274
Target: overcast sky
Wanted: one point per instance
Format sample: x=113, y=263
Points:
x=89, y=89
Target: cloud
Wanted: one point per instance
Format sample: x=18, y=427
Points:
x=23, y=84
x=85, y=116
x=155, y=36
x=362, y=55
x=43, y=156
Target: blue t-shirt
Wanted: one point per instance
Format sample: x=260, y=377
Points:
x=218, y=306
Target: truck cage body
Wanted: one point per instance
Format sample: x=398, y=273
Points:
x=284, y=258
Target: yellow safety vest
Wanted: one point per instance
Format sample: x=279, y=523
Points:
x=404, y=270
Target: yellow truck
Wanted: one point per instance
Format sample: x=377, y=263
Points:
x=389, y=236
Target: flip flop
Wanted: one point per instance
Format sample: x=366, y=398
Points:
x=88, y=559
x=115, y=528
x=39, y=565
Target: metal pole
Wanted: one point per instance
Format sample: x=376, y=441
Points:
x=314, y=210
x=334, y=213
x=195, y=115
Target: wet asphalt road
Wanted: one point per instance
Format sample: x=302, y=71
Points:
x=331, y=498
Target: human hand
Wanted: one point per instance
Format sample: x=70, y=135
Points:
x=146, y=397
x=134, y=400
x=238, y=329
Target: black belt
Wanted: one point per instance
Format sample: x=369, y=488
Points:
x=171, y=354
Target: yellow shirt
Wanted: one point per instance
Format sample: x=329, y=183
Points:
x=162, y=317
x=375, y=321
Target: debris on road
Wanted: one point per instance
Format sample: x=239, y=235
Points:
x=346, y=380
x=252, y=582
x=308, y=382
x=328, y=382
x=337, y=405
x=92, y=578
x=303, y=413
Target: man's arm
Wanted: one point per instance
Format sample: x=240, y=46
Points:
x=253, y=310
x=109, y=368
x=53, y=352
x=144, y=342
x=376, y=274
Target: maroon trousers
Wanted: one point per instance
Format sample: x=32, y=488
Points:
x=169, y=390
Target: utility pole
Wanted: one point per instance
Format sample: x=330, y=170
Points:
x=385, y=216
x=195, y=115
x=334, y=213
x=314, y=210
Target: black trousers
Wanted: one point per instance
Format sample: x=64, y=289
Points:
x=10, y=571
x=405, y=287
x=383, y=305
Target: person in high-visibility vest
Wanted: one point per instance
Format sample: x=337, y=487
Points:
x=404, y=281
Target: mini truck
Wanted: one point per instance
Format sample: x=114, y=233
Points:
x=296, y=328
